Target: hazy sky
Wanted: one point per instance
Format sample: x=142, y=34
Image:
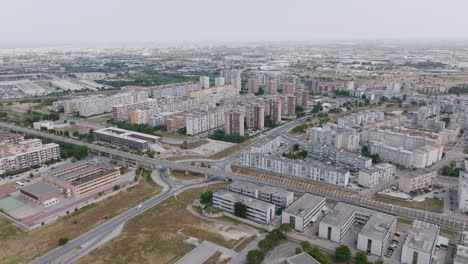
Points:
x=100, y=21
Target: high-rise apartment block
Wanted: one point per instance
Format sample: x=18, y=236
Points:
x=252, y=86
x=204, y=82
x=312, y=85
x=234, y=122
x=271, y=87
x=204, y=122
x=121, y=112
x=219, y=81
x=232, y=77
x=255, y=116
x=335, y=136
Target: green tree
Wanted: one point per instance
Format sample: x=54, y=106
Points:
x=286, y=227
x=342, y=253
x=379, y=261
x=266, y=244
x=240, y=210
x=361, y=258
x=62, y=241
x=255, y=257
x=317, y=254
x=206, y=197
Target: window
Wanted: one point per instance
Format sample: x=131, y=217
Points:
x=415, y=257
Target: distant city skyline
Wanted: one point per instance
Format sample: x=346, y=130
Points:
x=53, y=22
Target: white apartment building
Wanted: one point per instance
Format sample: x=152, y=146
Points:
x=463, y=192
x=418, y=158
x=232, y=77
x=204, y=122
x=278, y=196
x=378, y=174
x=219, y=81
x=334, y=136
x=204, y=82
x=419, y=245
x=258, y=211
x=303, y=211
x=121, y=112
x=361, y=118
x=34, y=154
x=416, y=180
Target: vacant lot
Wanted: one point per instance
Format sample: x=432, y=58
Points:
x=101, y=119
x=431, y=205
x=157, y=236
x=18, y=246
x=231, y=150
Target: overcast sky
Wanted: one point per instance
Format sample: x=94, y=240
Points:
x=100, y=21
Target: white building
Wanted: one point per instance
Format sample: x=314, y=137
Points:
x=303, y=211
x=334, y=136
x=204, y=82
x=278, y=196
x=463, y=191
x=378, y=174
x=373, y=238
x=419, y=245
x=257, y=210
x=40, y=124
x=204, y=122
x=219, y=81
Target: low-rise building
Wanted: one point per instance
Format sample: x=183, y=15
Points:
x=419, y=245
x=378, y=174
x=463, y=191
x=303, y=211
x=377, y=228
x=257, y=210
x=335, y=136
x=40, y=192
x=301, y=258
x=461, y=256
x=278, y=196
x=416, y=180
x=82, y=177
x=125, y=138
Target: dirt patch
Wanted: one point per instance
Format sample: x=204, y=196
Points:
x=231, y=150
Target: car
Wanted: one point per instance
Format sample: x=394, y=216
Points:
x=395, y=241
x=393, y=245
x=397, y=235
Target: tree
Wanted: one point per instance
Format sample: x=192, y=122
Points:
x=361, y=258
x=379, y=261
x=62, y=241
x=206, y=197
x=255, y=257
x=266, y=244
x=240, y=210
x=376, y=158
x=317, y=254
x=342, y=253
x=295, y=147
x=365, y=151
x=286, y=227
x=66, y=133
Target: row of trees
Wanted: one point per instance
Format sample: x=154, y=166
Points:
x=268, y=243
x=221, y=135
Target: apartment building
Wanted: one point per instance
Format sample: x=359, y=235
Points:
x=125, y=138
x=232, y=77
x=461, y=256
x=302, y=98
x=289, y=105
x=258, y=211
x=255, y=116
x=463, y=191
x=204, y=82
x=271, y=87
x=234, y=122
x=173, y=89
x=26, y=154
x=419, y=245
x=335, y=136
x=274, y=109
x=219, y=81
x=361, y=118
x=94, y=105
x=396, y=139
x=376, y=232
x=312, y=85
x=10, y=138
x=337, y=156
x=416, y=180
x=303, y=211
x=277, y=196
x=418, y=158
x=204, y=122
x=376, y=175
x=252, y=86
x=82, y=177
x=121, y=112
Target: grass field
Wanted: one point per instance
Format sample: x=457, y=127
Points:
x=157, y=236
x=180, y=175
x=173, y=135
x=431, y=205
x=21, y=247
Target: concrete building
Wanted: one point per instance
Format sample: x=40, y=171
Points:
x=461, y=256
x=82, y=177
x=463, y=191
x=255, y=116
x=139, y=117
x=121, y=112
x=234, y=122
x=419, y=158
x=125, y=138
x=40, y=192
x=252, y=86
x=361, y=118
x=258, y=211
x=26, y=154
x=202, y=123
x=219, y=81
x=302, y=98
x=232, y=77
x=274, y=109
x=204, y=82
x=46, y=124
x=303, y=211
x=337, y=156
x=173, y=89
x=376, y=175
x=10, y=138
x=278, y=196
x=375, y=234
x=312, y=85
x=416, y=180
x=271, y=87
x=419, y=245
x=301, y=258
x=337, y=137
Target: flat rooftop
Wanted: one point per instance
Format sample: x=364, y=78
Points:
x=306, y=203
x=67, y=171
x=126, y=134
x=422, y=236
x=376, y=226
x=263, y=188
x=39, y=188
x=302, y=258
x=235, y=197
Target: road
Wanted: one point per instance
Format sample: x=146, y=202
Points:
x=75, y=248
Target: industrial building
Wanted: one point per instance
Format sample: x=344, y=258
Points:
x=303, y=211
x=278, y=196
x=419, y=245
x=40, y=192
x=82, y=177
x=376, y=228
x=125, y=138
x=258, y=211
